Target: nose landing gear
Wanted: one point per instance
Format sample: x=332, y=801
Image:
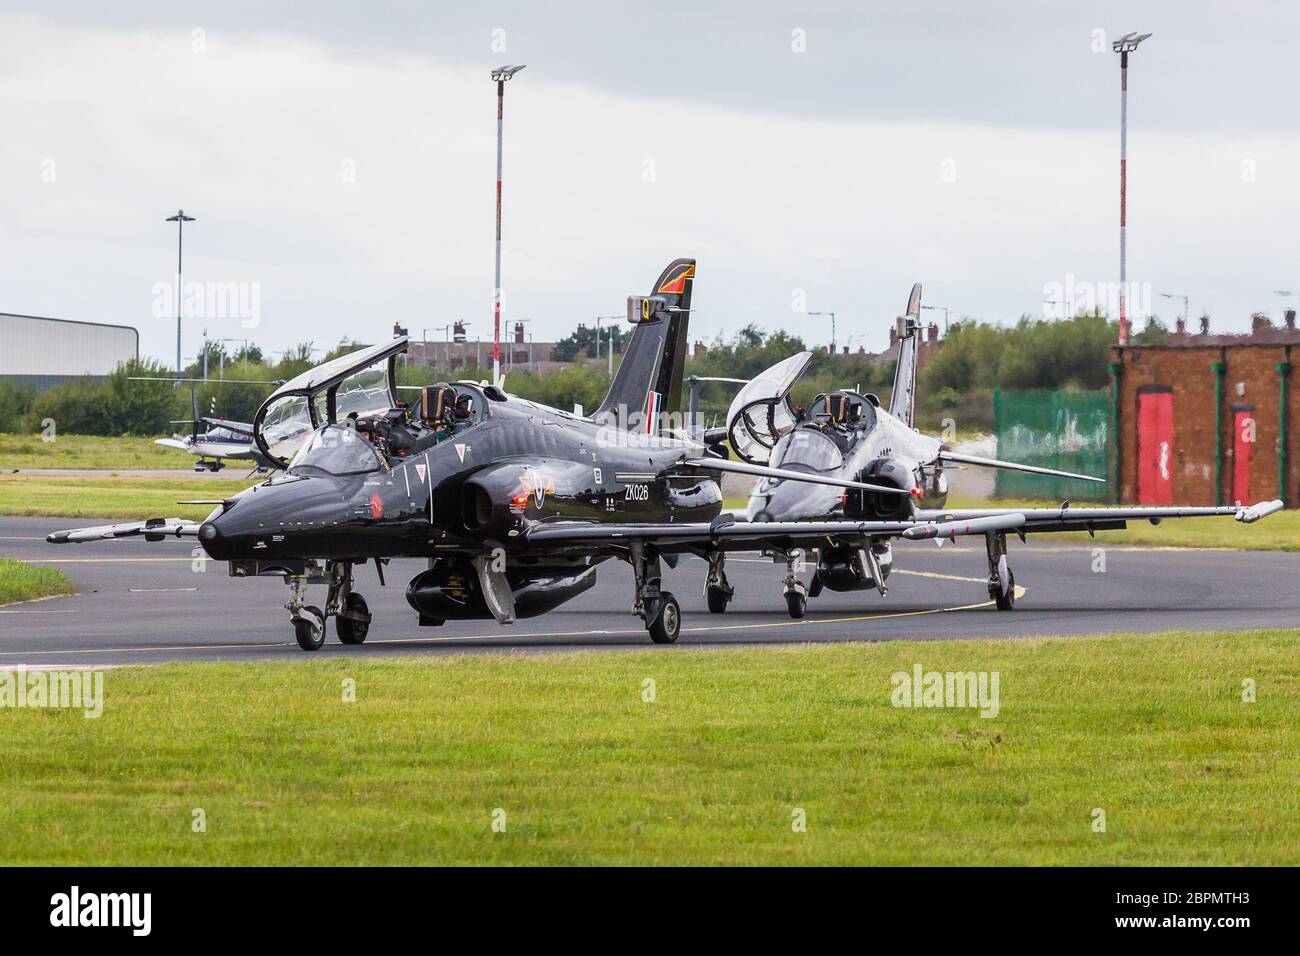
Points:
x=309, y=628
x=796, y=595
x=350, y=612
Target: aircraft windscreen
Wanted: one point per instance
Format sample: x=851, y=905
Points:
x=336, y=450
x=806, y=448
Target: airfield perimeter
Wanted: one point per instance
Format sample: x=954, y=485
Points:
x=144, y=603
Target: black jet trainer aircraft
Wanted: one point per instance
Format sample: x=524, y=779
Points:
x=468, y=481
x=513, y=504
x=845, y=434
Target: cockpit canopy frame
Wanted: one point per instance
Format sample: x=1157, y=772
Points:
x=762, y=410
x=296, y=409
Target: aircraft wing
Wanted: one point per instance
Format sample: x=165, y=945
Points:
x=958, y=458
x=731, y=535
x=1069, y=518
x=152, y=529
x=244, y=428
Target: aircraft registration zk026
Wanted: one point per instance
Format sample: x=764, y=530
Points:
x=513, y=504
x=847, y=435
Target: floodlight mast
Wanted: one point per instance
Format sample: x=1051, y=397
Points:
x=1124, y=46
x=180, y=219
x=500, y=75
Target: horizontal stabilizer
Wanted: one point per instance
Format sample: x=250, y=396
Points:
x=1012, y=466
x=762, y=471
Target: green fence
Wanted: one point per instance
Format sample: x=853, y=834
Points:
x=1064, y=430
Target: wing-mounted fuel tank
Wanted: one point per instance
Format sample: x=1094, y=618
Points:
x=453, y=591
x=496, y=500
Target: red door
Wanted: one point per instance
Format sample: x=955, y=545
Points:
x=1155, y=451
x=1243, y=440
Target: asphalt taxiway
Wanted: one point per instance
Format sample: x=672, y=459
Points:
x=141, y=602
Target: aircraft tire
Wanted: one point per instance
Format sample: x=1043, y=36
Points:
x=795, y=603
x=351, y=631
x=1008, y=601
x=718, y=600
x=310, y=633
x=668, y=622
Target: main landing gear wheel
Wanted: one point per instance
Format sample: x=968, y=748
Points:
x=353, y=628
x=718, y=600
x=1005, y=602
x=309, y=628
x=795, y=602
x=668, y=622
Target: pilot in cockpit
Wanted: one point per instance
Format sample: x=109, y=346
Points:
x=439, y=405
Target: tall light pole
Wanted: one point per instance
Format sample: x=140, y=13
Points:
x=832, y=315
x=180, y=219
x=1187, y=314
x=222, y=372
x=608, y=318
x=500, y=75
x=1124, y=46
x=944, y=309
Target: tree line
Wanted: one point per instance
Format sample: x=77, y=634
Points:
x=958, y=379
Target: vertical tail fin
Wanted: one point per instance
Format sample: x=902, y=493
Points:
x=649, y=380
x=902, y=403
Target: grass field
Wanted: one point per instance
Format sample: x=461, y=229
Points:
x=24, y=582
x=1153, y=730
x=125, y=453
x=110, y=497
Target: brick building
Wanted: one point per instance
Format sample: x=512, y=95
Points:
x=460, y=351
x=1207, y=419
x=928, y=344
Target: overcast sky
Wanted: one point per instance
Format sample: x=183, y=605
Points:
x=341, y=163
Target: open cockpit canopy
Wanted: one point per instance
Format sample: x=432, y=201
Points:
x=762, y=411
x=363, y=382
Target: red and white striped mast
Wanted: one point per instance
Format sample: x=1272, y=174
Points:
x=500, y=75
x=1124, y=46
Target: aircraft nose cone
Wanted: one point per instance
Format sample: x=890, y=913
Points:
x=212, y=539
